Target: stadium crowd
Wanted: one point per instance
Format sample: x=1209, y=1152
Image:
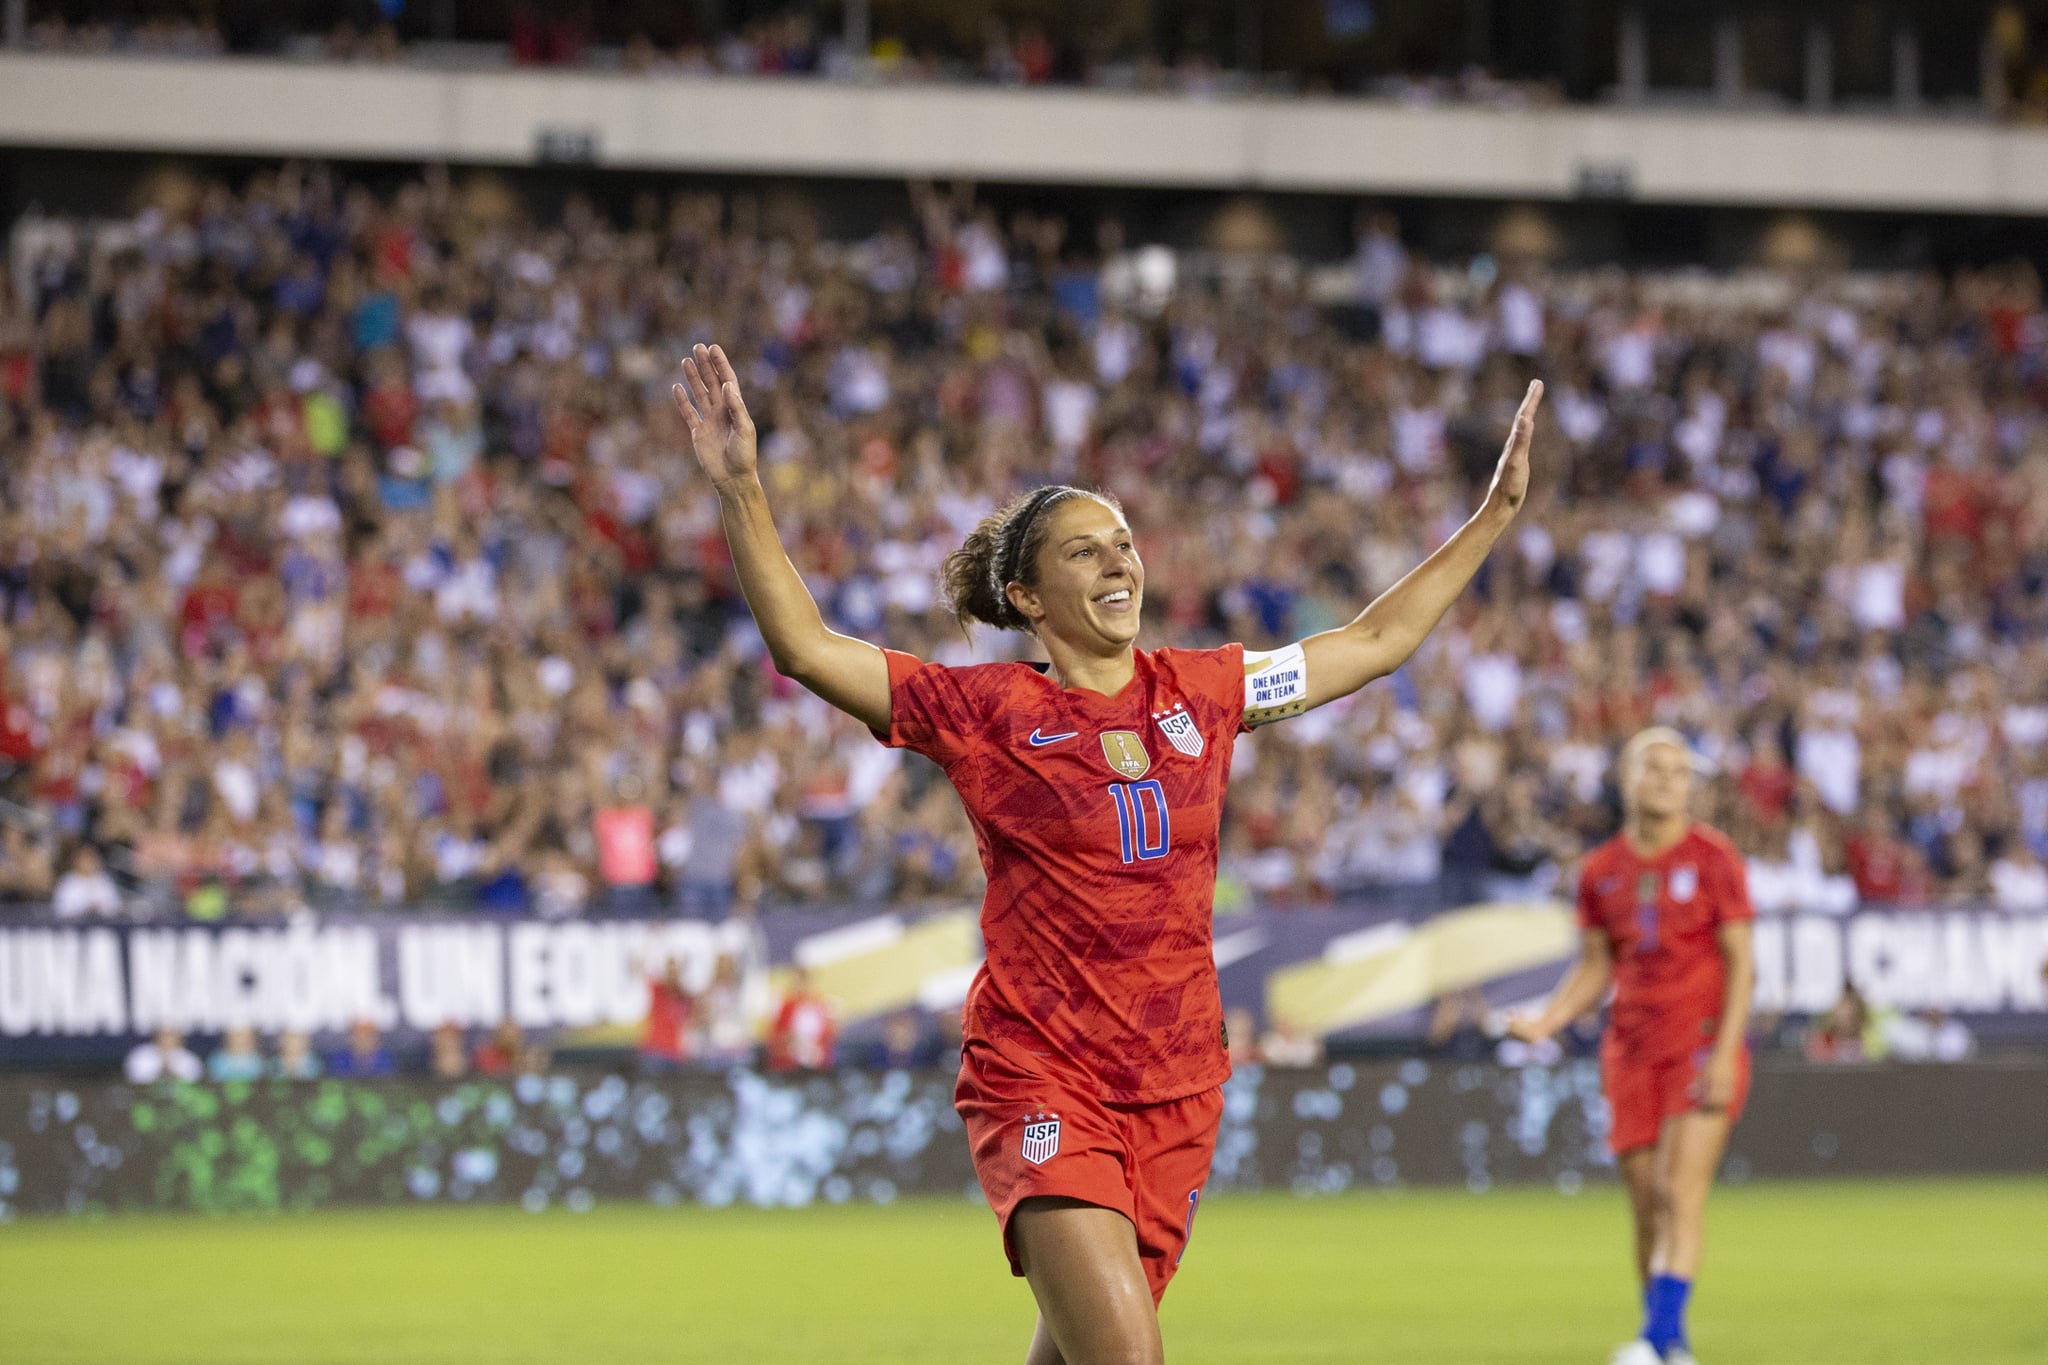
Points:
x=1420, y=53
x=920, y=46
x=350, y=553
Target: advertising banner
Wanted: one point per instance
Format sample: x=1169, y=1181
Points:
x=574, y=1139
x=1343, y=972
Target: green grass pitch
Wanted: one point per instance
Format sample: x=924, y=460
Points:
x=1908, y=1273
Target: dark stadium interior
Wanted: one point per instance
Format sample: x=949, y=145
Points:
x=1836, y=53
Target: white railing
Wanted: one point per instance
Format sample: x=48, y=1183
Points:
x=268, y=107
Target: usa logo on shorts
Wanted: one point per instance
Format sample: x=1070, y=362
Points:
x=1041, y=1138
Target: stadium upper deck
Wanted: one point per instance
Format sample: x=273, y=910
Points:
x=1766, y=105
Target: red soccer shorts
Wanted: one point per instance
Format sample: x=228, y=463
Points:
x=1033, y=1134
x=1642, y=1094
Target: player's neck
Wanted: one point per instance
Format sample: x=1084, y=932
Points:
x=1077, y=671
x=1651, y=836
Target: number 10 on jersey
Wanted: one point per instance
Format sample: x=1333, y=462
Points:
x=1141, y=819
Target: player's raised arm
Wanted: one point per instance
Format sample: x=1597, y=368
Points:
x=851, y=674
x=1338, y=662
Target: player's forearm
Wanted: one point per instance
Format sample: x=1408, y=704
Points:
x=1391, y=629
x=1736, y=999
x=1581, y=990
x=783, y=607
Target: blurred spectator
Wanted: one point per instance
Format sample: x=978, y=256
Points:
x=26, y=870
x=1881, y=863
x=1241, y=1032
x=448, y=1052
x=173, y=31
x=1928, y=1036
x=1287, y=1043
x=728, y=1034
x=626, y=856
x=701, y=849
x=666, y=1035
x=804, y=1034
x=164, y=1056
x=504, y=1054
x=86, y=889
x=1527, y=846
x=541, y=38
x=906, y=1041
x=2016, y=67
x=1382, y=263
x=535, y=1057
x=237, y=1057
x=365, y=1054
x=2018, y=880
x=560, y=889
x=1457, y=1026
x=296, y=1060
x=1839, y=1036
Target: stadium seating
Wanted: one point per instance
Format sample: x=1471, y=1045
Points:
x=358, y=561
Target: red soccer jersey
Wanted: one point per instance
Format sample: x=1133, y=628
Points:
x=1097, y=819
x=1662, y=916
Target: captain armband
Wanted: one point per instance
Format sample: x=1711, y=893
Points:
x=1275, y=684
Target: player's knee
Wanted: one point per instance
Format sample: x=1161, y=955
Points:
x=1136, y=1353
x=1131, y=1339
x=1043, y=1352
x=1663, y=1201
x=1679, y=1203
x=1110, y=1349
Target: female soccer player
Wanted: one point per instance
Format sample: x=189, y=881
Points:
x=1664, y=916
x=1094, y=1046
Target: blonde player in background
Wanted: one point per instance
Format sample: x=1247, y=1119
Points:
x=1664, y=918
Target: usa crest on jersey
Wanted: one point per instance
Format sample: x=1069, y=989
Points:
x=1041, y=1138
x=1684, y=882
x=1180, y=730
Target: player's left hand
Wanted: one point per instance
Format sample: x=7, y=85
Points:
x=1715, y=1088
x=1511, y=475
x=709, y=402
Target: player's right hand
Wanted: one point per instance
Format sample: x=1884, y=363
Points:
x=1527, y=1028
x=721, y=431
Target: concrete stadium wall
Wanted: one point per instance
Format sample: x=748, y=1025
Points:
x=259, y=107
x=575, y=1139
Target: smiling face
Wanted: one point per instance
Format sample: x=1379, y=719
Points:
x=1090, y=582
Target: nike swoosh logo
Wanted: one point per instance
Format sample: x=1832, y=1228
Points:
x=1039, y=741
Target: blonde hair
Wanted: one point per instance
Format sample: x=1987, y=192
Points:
x=1645, y=740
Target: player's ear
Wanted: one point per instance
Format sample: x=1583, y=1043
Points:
x=1026, y=601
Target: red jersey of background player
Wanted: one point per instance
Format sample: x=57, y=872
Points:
x=1097, y=819
x=1661, y=916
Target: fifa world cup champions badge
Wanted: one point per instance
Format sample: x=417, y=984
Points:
x=1126, y=753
